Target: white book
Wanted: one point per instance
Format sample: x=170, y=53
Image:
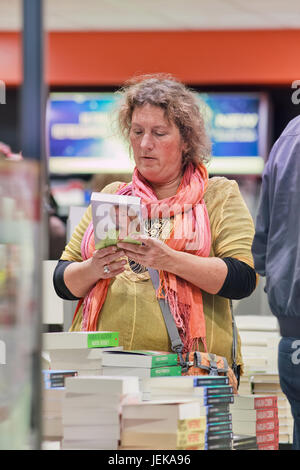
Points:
x=89, y=416
x=92, y=444
x=80, y=355
x=256, y=322
x=102, y=385
x=172, y=410
x=136, y=358
x=115, y=216
x=95, y=432
x=257, y=338
x=98, y=402
x=80, y=339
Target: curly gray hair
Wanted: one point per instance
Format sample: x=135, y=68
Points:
x=181, y=106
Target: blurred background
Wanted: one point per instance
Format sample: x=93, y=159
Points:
x=60, y=63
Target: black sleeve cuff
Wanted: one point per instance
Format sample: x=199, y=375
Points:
x=240, y=281
x=59, y=283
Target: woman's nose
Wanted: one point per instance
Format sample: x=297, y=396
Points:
x=147, y=141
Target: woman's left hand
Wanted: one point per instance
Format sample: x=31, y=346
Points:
x=153, y=253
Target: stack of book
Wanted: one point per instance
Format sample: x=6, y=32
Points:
x=259, y=341
x=163, y=425
x=143, y=364
x=52, y=404
x=81, y=351
x=256, y=416
x=214, y=395
x=91, y=410
x=268, y=384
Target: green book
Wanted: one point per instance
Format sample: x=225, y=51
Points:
x=165, y=371
x=80, y=340
x=142, y=372
x=139, y=358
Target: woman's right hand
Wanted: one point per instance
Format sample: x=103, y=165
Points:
x=106, y=263
x=81, y=276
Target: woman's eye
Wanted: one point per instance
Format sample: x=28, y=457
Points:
x=160, y=134
x=137, y=132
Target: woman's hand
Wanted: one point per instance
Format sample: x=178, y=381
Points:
x=106, y=263
x=152, y=253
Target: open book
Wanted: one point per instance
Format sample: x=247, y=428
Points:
x=115, y=217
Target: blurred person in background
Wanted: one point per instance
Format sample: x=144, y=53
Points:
x=56, y=227
x=276, y=253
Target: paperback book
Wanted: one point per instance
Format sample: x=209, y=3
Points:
x=115, y=217
x=137, y=358
x=80, y=339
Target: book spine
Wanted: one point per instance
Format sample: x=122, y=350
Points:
x=58, y=375
x=164, y=360
x=268, y=425
x=225, y=445
x=267, y=402
x=218, y=427
x=218, y=436
x=271, y=446
x=220, y=417
x=218, y=399
x=271, y=413
x=218, y=390
x=102, y=340
x=172, y=371
x=267, y=437
x=188, y=425
x=214, y=410
x=205, y=382
x=189, y=438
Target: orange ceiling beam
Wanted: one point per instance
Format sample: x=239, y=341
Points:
x=195, y=57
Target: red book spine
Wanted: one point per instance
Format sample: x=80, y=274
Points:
x=270, y=413
x=271, y=446
x=265, y=402
x=267, y=437
x=267, y=425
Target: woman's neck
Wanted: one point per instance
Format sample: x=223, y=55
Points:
x=165, y=190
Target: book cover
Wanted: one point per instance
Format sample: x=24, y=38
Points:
x=139, y=358
x=115, y=217
x=80, y=339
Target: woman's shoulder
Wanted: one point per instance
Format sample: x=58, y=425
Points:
x=218, y=188
x=112, y=188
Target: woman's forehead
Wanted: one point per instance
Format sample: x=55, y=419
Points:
x=149, y=113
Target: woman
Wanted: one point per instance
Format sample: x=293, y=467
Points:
x=198, y=272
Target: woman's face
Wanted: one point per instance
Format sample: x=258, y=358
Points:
x=157, y=144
